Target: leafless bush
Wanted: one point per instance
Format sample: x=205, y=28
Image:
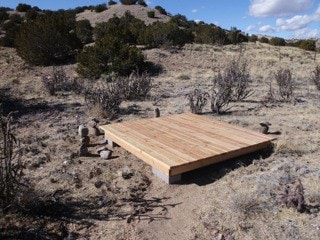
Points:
x=237, y=73
x=108, y=95
x=221, y=93
x=10, y=162
x=285, y=83
x=137, y=86
x=270, y=97
x=197, y=100
x=294, y=197
x=315, y=76
x=59, y=81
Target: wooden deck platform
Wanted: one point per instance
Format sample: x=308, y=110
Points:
x=179, y=143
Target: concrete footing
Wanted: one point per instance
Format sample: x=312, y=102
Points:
x=167, y=179
x=110, y=143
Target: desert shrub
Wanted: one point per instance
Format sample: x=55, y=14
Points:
x=315, y=76
x=127, y=28
x=276, y=41
x=151, y=14
x=11, y=28
x=197, y=100
x=49, y=39
x=161, y=10
x=210, y=34
x=166, y=34
x=294, y=197
x=107, y=56
x=100, y=8
x=59, y=81
x=221, y=93
x=128, y=2
x=235, y=36
x=253, y=38
x=3, y=15
x=31, y=14
x=10, y=163
x=142, y=3
x=107, y=95
x=23, y=7
x=84, y=31
x=136, y=86
x=237, y=72
x=111, y=2
x=285, y=84
x=264, y=40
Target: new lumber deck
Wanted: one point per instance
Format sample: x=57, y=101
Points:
x=180, y=143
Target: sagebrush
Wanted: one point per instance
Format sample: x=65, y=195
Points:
x=315, y=76
x=197, y=100
x=285, y=84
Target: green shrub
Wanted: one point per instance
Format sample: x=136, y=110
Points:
x=109, y=55
x=253, y=38
x=100, y=8
x=276, y=41
x=84, y=31
x=128, y=2
x=209, y=34
x=49, y=39
x=161, y=10
x=111, y=2
x=142, y=3
x=151, y=14
x=3, y=16
x=23, y=7
x=166, y=34
x=12, y=28
x=264, y=40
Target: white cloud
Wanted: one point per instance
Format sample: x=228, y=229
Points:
x=250, y=28
x=306, y=33
x=194, y=10
x=267, y=28
x=278, y=8
x=294, y=23
x=298, y=22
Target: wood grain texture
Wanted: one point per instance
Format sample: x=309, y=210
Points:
x=180, y=143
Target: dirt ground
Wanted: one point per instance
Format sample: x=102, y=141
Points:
x=72, y=197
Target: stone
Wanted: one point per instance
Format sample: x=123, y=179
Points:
x=83, y=131
x=106, y=154
x=156, y=113
x=127, y=172
x=85, y=141
x=92, y=124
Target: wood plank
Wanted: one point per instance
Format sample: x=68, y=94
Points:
x=180, y=143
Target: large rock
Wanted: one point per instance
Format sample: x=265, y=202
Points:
x=106, y=154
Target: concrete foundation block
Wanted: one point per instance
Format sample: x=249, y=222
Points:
x=167, y=179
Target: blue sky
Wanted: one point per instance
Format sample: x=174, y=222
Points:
x=283, y=18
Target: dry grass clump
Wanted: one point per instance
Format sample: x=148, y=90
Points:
x=289, y=146
x=312, y=191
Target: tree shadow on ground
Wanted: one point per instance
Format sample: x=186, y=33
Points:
x=46, y=216
x=212, y=173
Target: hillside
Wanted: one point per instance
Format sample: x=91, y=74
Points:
x=87, y=197
x=137, y=11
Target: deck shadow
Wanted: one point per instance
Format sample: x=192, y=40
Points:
x=214, y=172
